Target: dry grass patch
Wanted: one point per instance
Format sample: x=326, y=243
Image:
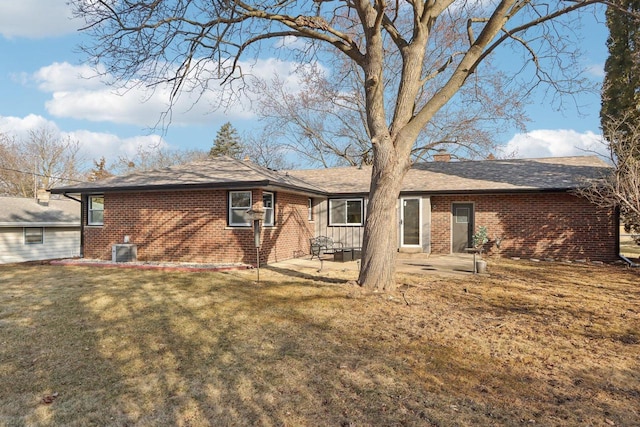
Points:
x=549, y=344
x=630, y=249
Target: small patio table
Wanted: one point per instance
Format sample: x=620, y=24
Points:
x=347, y=254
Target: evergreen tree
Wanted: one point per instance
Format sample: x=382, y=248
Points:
x=227, y=143
x=620, y=112
x=621, y=87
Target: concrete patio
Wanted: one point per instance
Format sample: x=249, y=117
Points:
x=444, y=265
x=441, y=265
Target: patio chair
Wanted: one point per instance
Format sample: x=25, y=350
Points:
x=323, y=245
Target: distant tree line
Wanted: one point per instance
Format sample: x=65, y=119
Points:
x=41, y=160
x=44, y=159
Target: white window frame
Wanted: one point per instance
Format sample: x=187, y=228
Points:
x=402, y=219
x=240, y=209
x=346, y=211
x=310, y=209
x=90, y=210
x=266, y=209
x=40, y=233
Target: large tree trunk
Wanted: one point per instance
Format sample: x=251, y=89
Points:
x=380, y=244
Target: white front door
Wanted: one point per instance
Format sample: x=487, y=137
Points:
x=411, y=222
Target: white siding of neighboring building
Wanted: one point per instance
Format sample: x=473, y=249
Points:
x=59, y=242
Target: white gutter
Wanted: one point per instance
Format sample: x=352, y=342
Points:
x=39, y=224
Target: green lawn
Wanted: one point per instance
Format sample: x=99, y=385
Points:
x=531, y=344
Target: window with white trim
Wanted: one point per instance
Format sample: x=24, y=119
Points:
x=33, y=235
x=239, y=204
x=310, y=208
x=95, y=210
x=267, y=206
x=346, y=211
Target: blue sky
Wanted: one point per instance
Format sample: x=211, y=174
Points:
x=43, y=83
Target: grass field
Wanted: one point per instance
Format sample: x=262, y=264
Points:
x=628, y=247
x=543, y=344
x=630, y=250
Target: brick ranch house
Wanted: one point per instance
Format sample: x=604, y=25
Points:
x=197, y=212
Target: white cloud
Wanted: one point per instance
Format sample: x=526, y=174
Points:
x=554, y=143
x=292, y=42
x=36, y=18
x=93, y=145
x=77, y=93
x=19, y=128
x=596, y=70
x=62, y=76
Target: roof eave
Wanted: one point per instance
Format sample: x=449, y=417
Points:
x=182, y=187
x=493, y=191
x=477, y=191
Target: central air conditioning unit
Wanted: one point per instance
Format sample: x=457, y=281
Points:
x=124, y=252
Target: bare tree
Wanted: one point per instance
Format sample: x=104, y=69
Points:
x=262, y=149
x=155, y=157
x=192, y=43
x=319, y=121
x=324, y=121
x=99, y=170
x=621, y=188
x=42, y=160
x=13, y=180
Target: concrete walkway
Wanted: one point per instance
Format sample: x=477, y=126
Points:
x=446, y=265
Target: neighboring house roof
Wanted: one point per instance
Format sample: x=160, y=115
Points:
x=217, y=172
x=22, y=212
x=512, y=175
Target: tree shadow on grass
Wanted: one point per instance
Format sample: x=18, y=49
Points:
x=319, y=277
x=164, y=348
x=214, y=350
x=50, y=358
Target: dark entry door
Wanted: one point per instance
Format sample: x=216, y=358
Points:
x=462, y=230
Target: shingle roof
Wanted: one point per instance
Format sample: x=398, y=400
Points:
x=22, y=212
x=222, y=172
x=556, y=173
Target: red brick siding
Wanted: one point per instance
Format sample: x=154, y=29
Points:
x=550, y=225
x=191, y=226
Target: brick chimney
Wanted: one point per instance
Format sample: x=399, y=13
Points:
x=442, y=156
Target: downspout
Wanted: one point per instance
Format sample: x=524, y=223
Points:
x=72, y=198
x=81, y=222
x=628, y=261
